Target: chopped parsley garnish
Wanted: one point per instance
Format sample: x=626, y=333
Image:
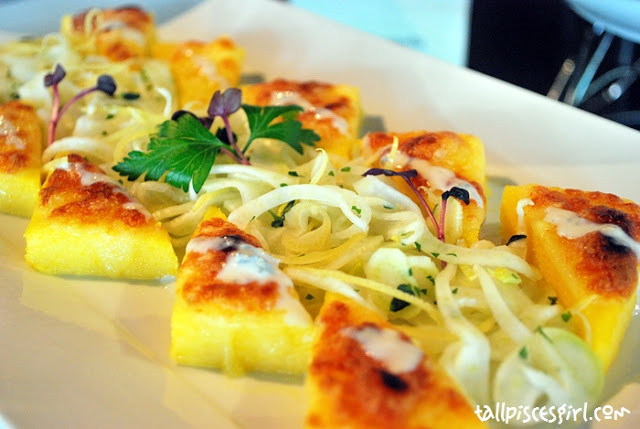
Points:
x=553, y=300
x=183, y=149
x=399, y=304
x=544, y=335
x=418, y=246
x=345, y=169
x=566, y=316
x=356, y=209
x=524, y=353
x=278, y=219
x=130, y=96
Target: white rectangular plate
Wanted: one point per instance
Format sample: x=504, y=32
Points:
x=79, y=353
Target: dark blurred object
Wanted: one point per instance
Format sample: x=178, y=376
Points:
x=544, y=46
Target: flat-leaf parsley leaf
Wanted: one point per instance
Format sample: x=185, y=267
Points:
x=183, y=149
x=290, y=131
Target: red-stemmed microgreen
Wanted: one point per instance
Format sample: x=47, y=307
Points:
x=105, y=83
x=222, y=105
x=407, y=175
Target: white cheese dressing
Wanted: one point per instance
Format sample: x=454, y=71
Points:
x=283, y=98
x=438, y=177
x=572, y=226
x=88, y=178
x=386, y=346
x=520, y=205
x=247, y=264
x=129, y=33
x=208, y=69
x=10, y=132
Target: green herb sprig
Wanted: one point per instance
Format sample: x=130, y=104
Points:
x=183, y=149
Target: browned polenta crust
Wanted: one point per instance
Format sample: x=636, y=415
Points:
x=438, y=148
x=24, y=119
x=199, y=270
x=64, y=196
x=356, y=391
x=607, y=269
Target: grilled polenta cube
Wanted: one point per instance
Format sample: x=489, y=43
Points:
x=443, y=160
x=86, y=223
x=201, y=68
x=20, y=150
x=365, y=374
x=234, y=309
x=332, y=111
x=117, y=34
x=586, y=245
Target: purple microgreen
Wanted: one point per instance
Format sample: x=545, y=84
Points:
x=459, y=194
x=223, y=104
x=407, y=175
x=105, y=83
x=56, y=77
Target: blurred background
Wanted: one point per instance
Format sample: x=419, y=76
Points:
x=580, y=52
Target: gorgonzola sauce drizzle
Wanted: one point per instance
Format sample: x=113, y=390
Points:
x=283, y=98
x=438, y=177
x=397, y=354
x=247, y=264
x=572, y=226
x=9, y=131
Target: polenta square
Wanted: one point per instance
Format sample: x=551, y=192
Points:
x=366, y=374
x=333, y=111
x=201, y=68
x=118, y=34
x=442, y=160
x=86, y=223
x=20, y=150
x=234, y=309
x=586, y=245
